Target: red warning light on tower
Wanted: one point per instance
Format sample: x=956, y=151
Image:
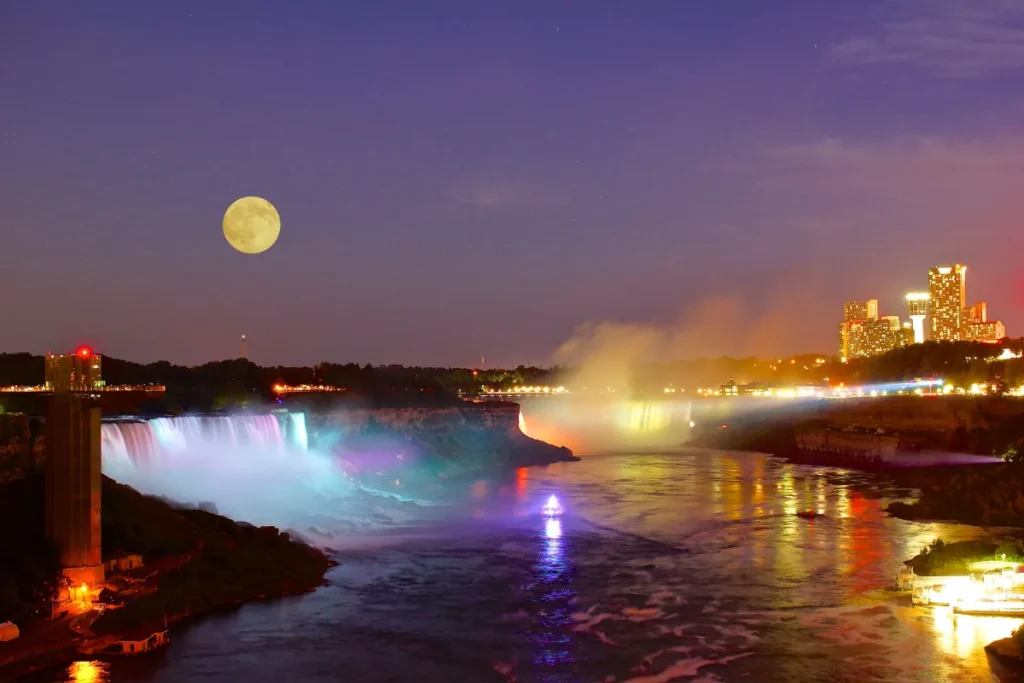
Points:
x=83, y=352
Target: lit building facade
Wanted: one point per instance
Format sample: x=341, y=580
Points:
x=947, y=290
x=863, y=338
x=860, y=310
x=862, y=331
x=978, y=313
x=79, y=371
x=985, y=331
x=917, y=302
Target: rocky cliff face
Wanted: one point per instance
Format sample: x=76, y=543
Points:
x=448, y=441
x=21, y=445
x=500, y=416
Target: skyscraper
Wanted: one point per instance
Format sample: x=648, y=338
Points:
x=917, y=302
x=851, y=334
x=860, y=310
x=862, y=338
x=978, y=313
x=947, y=290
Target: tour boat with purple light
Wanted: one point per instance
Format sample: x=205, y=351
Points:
x=552, y=508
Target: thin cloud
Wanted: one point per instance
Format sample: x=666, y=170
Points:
x=906, y=167
x=504, y=194
x=953, y=38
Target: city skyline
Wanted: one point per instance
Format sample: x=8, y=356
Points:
x=733, y=167
x=941, y=313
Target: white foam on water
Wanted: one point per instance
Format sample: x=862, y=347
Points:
x=681, y=668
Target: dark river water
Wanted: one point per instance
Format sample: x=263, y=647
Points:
x=666, y=566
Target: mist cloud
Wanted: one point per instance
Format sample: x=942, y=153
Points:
x=606, y=353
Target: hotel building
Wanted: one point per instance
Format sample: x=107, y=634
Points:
x=947, y=291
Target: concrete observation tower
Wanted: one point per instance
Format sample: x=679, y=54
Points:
x=73, y=468
x=917, y=302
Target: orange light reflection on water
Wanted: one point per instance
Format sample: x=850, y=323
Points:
x=966, y=636
x=89, y=672
x=522, y=482
x=479, y=489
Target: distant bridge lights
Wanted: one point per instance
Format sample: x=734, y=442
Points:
x=104, y=389
x=305, y=389
x=520, y=390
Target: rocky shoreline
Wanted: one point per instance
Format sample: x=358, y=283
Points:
x=197, y=562
x=959, y=493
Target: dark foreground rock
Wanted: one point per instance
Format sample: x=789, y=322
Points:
x=195, y=562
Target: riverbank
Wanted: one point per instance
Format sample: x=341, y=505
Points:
x=984, y=492
x=983, y=496
x=196, y=562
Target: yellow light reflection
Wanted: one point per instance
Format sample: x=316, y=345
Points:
x=964, y=635
x=843, y=502
x=88, y=672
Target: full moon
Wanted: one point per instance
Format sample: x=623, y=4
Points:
x=251, y=225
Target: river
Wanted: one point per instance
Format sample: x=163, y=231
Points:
x=666, y=566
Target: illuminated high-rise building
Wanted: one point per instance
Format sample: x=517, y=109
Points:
x=978, y=313
x=947, y=289
x=984, y=330
x=860, y=310
x=917, y=302
x=862, y=338
x=907, y=334
x=850, y=332
x=79, y=371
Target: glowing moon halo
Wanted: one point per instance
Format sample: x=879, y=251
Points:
x=251, y=225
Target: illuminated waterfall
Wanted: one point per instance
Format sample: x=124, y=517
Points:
x=253, y=468
x=596, y=424
x=145, y=442
x=297, y=435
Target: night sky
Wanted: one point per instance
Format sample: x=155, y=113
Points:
x=458, y=180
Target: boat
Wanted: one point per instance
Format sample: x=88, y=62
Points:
x=990, y=608
x=552, y=508
x=808, y=514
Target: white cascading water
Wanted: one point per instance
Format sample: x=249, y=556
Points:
x=253, y=468
x=594, y=424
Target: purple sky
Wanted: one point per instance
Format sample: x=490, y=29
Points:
x=458, y=180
